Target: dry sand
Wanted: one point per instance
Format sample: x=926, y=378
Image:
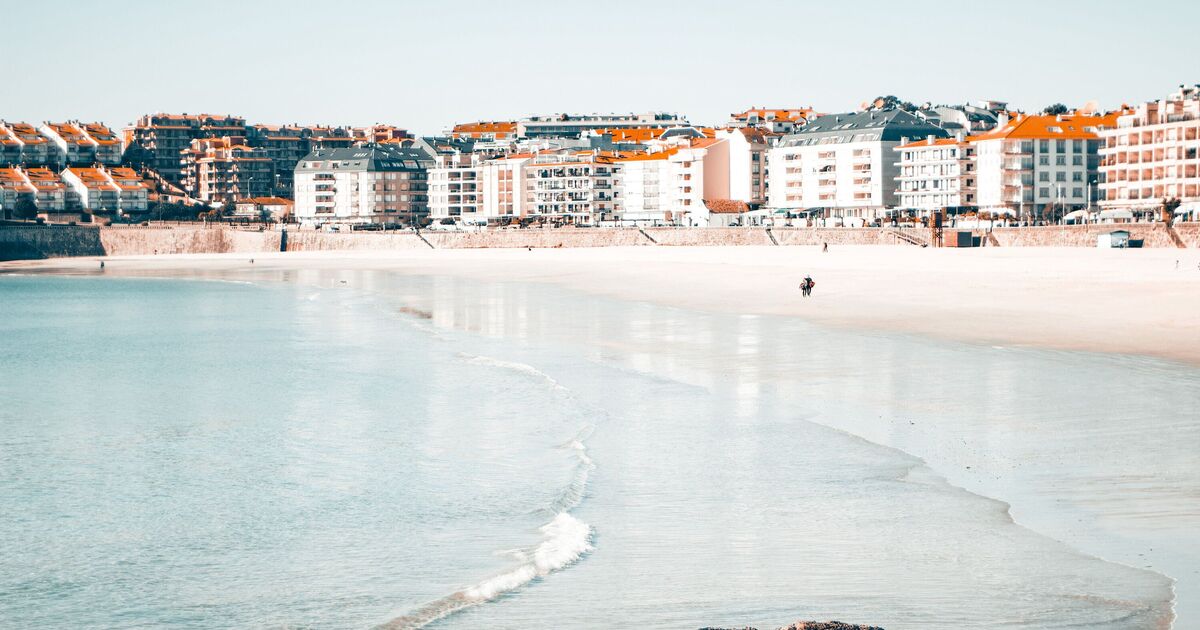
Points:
x=1134, y=301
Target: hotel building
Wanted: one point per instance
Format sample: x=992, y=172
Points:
x=936, y=174
x=1152, y=154
x=844, y=165
x=367, y=184
x=1038, y=167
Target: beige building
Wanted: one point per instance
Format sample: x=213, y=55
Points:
x=1153, y=154
x=224, y=170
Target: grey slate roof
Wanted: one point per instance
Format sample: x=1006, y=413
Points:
x=371, y=157
x=890, y=125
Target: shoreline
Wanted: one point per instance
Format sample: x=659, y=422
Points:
x=1131, y=302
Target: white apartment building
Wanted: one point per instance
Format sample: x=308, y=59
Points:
x=1038, y=167
x=21, y=143
x=572, y=187
x=455, y=190
x=72, y=145
x=936, y=174
x=1152, y=154
x=368, y=184
x=843, y=165
x=502, y=182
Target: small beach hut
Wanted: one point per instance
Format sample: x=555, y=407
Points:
x=1116, y=238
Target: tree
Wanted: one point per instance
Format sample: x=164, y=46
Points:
x=1169, y=206
x=892, y=101
x=25, y=209
x=1055, y=109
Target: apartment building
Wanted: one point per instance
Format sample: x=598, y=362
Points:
x=503, y=184
x=71, y=145
x=843, y=165
x=109, y=148
x=225, y=169
x=162, y=137
x=133, y=193
x=13, y=190
x=573, y=125
x=1152, y=154
x=50, y=194
x=455, y=188
x=92, y=190
x=368, y=184
x=30, y=146
x=572, y=187
x=1039, y=167
x=499, y=131
x=783, y=121
x=937, y=174
x=10, y=147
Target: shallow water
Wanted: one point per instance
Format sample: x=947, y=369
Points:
x=349, y=449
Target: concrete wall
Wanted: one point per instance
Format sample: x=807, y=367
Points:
x=33, y=242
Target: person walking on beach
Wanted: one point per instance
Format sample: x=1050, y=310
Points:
x=806, y=286
x=824, y=248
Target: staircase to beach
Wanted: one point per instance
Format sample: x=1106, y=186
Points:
x=648, y=237
x=772, y=237
x=907, y=237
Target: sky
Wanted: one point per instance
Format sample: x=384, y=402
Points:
x=427, y=65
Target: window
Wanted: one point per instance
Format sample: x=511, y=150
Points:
x=1061, y=146
x=1043, y=176
x=1076, y=192
x=1060, y=176
x=1044, y=160
x=1044, y=192
x=1076, y=176
x=1077, y=160
x=1060, y=160
x=1044, y=145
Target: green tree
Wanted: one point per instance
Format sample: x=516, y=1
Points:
x=892, y=101
x=1169, y=206
x=25, y=209
x=1055, y=109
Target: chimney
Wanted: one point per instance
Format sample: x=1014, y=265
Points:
x=929, y=139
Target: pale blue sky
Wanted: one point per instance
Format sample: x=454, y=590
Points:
x=426, y=65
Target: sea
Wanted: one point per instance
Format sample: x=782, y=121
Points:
x=314, y=448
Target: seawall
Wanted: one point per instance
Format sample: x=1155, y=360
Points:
x=34, y=242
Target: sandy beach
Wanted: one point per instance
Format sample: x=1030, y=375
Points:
x=1143, y=302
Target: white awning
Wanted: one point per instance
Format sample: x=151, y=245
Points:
x=1077, y=214
x=1116, y=214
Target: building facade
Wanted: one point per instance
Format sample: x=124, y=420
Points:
x=844, y=165
x=368, y=184
x=160, y=138
x=1152, y=154
x=226, y=169
x=573, y=125
x=1038, y=167
x=937, y=174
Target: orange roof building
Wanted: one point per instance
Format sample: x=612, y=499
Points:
x=1039, y=167
x=499, y=131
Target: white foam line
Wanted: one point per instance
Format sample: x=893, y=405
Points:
x=565, y=539
x=523, y=368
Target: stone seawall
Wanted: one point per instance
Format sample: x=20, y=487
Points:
x=33, y=242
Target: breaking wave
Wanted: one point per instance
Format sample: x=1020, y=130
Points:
x=565, y=539
x=523, y=368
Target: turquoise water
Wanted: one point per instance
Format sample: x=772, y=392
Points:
x=355, y=449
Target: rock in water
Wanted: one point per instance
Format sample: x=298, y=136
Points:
x=827, y=625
